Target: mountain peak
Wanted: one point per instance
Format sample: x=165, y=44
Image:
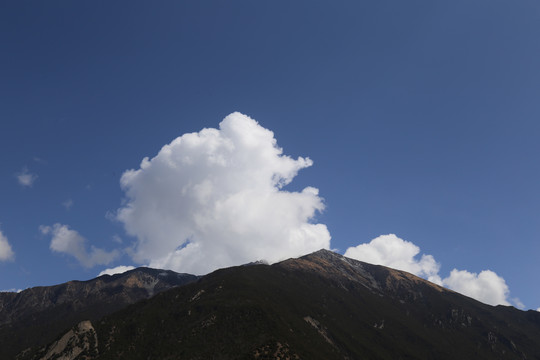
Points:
x=375, y=277
x=333, y=266
x=324, y=254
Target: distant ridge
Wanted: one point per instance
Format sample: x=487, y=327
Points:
x=319, y=306
x=35, y=316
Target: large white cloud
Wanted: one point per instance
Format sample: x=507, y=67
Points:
x=215, y=198
x=6, y=252
x=486, y=286
x=390, y=250
x=68, y=241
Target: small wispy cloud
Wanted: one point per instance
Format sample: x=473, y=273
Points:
x=6, y=252
x=25, y=178
x=68, y=204
x=68, y=241
x=486, y=286
x=116, y=270
x=11, y=290
x=40, y=160
x=518, y=303
x=390, y=250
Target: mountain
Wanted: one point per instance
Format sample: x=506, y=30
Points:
x=320, y=306
x=34, y=317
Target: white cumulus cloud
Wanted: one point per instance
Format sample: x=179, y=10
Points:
x=215, y=198
x=389, y=250
x=25, y=178
x=6, y=252
x=68, y=241
x=116, y=270
x=486, y=286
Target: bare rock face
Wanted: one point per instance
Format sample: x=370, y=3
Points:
x=34, y=317
x=78, y=343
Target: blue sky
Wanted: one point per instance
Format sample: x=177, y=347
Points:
x=421, y=119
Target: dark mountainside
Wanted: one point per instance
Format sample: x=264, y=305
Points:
x=320, y=306
x=34, y=317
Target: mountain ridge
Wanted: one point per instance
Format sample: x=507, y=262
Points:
x=319, y=306
x=44, y=311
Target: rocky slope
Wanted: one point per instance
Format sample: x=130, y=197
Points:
x=36, y=316
x=321, y=306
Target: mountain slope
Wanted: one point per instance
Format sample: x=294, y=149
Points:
x=321, y=306
x=35, y=316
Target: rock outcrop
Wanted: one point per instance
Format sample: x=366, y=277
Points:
x=78, y=343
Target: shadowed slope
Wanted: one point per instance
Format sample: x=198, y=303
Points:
x=320, y=306
x=36, y=315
